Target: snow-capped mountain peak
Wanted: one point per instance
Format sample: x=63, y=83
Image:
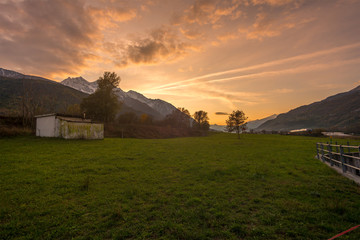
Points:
x=131, y=97
x=79, y=83
x=164, y=108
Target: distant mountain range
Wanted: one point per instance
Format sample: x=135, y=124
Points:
x=72, y=91
x=13, y=74
x=338, y=112
x=256, y=123
x=250, y=125
x=157, y=108
x=45, y=95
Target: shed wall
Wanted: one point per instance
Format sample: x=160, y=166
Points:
x=45, y=126
x=76, y=130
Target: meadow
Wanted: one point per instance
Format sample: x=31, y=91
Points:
x=215, y=187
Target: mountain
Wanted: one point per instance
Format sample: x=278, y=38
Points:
x=157, y=108
x=164, y=108
x=133, y=105
x=338, y=112
x=218, y=128
x=250, y=125
x=12, y=74
x=80, y=84
x=256, y=123
x=47, y=96
x=56, y=97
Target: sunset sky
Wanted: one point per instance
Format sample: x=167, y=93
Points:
x=260, y=56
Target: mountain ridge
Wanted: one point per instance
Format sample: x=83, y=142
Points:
x=339, y=112
x=12, y=74
x=158, y=108
x=250, y=124
x=12, y=90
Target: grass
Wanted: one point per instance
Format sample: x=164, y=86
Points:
x=216, y=187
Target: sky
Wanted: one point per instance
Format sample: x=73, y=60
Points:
x=263, y=57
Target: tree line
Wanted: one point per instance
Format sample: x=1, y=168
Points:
x=103, y=105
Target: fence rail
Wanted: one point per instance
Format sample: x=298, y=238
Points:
x=345, y=157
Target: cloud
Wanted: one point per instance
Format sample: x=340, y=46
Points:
x=206, y=91
x=221, y=113
x=284, y=90
x=273, y=2
x=187, y=69
x=209, y=11
x=48, y=36
x=191, y=33
x=266, y=25
x=299, y=58
x=228, y=36
x=108, y=14
x=205, y=13
x=199, y=11
x=160, y=45
x=305, y=65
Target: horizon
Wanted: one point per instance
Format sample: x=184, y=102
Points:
x=264, y=57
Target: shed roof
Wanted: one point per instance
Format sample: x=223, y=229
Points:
x=67, y=117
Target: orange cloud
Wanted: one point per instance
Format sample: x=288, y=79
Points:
x=108, y=15
x=191, y=33
x=160, y=45
x=211, y=77
x=227, y=37
x=45, y=42
x=273, y=2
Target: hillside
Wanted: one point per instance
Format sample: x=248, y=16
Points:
x=49, y=95
x=256, y=123
x=156, y=108
x=250, y=124
x=338, y=112
x=52, y=96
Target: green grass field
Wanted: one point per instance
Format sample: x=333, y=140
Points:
x=216, y=187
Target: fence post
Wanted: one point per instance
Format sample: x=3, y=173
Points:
x=342, y=158
x=317, y=150
x=337, y=148
x=348, y=146
x=330, y=155
x=322, y=152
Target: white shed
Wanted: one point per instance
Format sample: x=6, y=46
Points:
x=68, y=127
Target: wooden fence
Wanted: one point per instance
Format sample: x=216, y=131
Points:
x=345, y=157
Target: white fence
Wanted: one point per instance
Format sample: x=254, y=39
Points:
x=345, y=157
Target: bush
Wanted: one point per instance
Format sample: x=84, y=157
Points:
x=12, y=131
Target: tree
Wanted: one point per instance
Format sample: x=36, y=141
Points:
x=184, y=111
x=103, y=104
x=145, y=119
x=30, y=103
x=236, y=122
x=179, y=118
x=201, y=120
x=128, y=118
x=108, y=81
x=73, y=109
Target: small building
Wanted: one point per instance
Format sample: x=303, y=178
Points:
x=68, y=127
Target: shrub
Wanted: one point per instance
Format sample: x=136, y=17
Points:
x=12, y=131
